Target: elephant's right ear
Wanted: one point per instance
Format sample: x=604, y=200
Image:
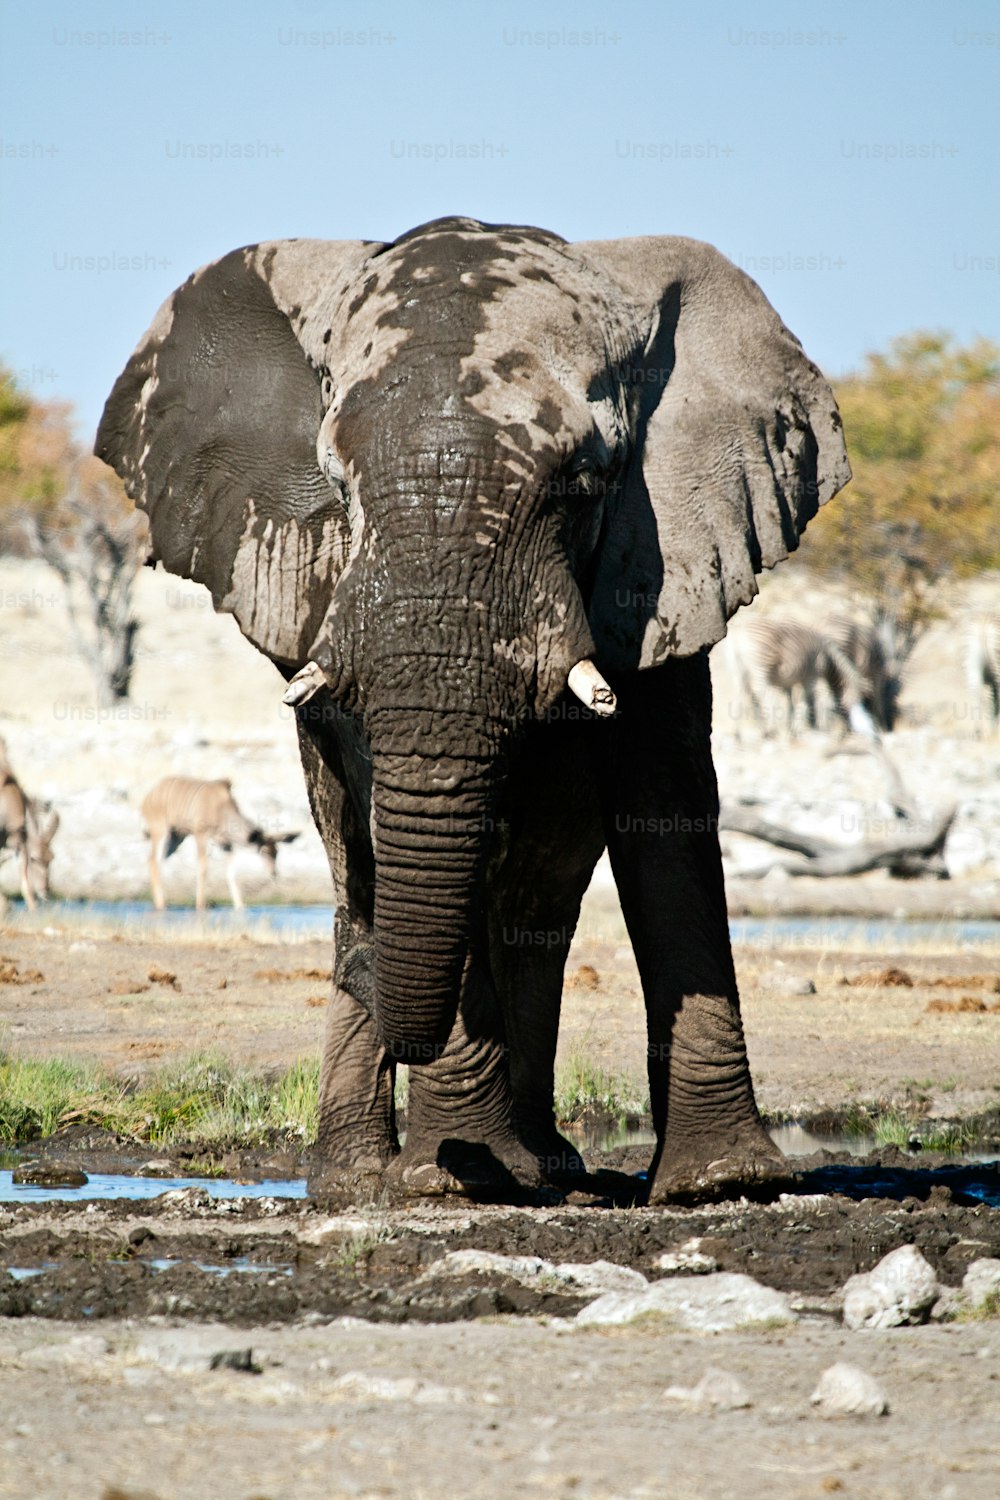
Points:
x=738, y=441
x=213, y=423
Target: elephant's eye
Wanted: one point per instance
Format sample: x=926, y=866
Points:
x=326, y=389
x=583, y=480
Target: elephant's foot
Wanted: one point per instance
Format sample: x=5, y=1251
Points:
x=558, y=1159
x=740, y=1163
x=350, y=1175
x=499, y=1168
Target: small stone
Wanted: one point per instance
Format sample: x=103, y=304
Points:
x=688, y=1258
x=844, y=1390
x=235, y=1359
x=781, y=983
x=50, y=1174
x=717, y=1390
x=712, y=1303
x=531, y=1270
x=902, y=1288
x=981, y=1280
x=948, y=1305
x=185, y=1198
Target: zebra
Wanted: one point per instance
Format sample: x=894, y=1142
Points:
x=773, y=653
x=982, y=665
x=872, y=646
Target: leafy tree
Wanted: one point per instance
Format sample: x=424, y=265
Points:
x=922, y=424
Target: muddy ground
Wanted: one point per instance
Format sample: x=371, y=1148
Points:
x=377, y=1368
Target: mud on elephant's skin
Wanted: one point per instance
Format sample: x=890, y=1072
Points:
x=444, y=484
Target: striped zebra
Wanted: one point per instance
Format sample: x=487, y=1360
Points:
x=773, y=654
x=982, y=666
x=873, y=648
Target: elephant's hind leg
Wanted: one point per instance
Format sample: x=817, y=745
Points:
x=356, y=1135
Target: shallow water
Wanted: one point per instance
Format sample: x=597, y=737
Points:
x=106, y=1185
x=306, y=921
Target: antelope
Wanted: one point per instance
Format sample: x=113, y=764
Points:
x=786, y=655
x=23, y=832
x=179, y=806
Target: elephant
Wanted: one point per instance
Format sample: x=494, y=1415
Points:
x=487, y=498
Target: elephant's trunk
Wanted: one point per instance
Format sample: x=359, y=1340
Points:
x=431, y=823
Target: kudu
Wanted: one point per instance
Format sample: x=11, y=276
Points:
x=26, y=833
x=179, y=806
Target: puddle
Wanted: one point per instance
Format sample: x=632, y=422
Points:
x=103, y=1185
x=308, y=921
x=241, y=1266
x=969, y=1184
x=858, y=932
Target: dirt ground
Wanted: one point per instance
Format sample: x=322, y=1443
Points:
x=358, y=1330
x=86, y=991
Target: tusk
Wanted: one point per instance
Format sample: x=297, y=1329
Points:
x=589, y=686
x=304, y=685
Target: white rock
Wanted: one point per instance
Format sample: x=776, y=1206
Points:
x=712, y=1303
x=717, y=1390
x=688, y=1257
x=780, y=982
x=844, y=1390
x=902, y=1288
x=336, y=1228
x=406, y=1388
x=980, y=1280
x=595, y=1276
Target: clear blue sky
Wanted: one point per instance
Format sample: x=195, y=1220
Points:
x=846, y=155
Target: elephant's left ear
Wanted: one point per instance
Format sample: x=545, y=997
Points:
x=738, y=442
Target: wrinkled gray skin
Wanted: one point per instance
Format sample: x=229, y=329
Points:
x=534, y=453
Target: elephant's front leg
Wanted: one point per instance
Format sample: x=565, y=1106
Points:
x=460, y=1135
x=553, y=839
x=660, y=801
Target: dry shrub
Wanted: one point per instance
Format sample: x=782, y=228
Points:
x=273, y=976
x=968, y=1005
x=885, y=979
x=585, y=977
x=11, y=974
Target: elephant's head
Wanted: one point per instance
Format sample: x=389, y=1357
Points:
x=449, y=471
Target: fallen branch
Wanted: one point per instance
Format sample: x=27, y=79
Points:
x=913, y=852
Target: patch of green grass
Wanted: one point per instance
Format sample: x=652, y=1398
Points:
x=204, y=1098
x=584, y=1087
x=357, y=1247
x=956, y=1138
x=893, y=1127
x=987, y=1310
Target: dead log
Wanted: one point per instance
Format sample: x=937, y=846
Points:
x=916, y=850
